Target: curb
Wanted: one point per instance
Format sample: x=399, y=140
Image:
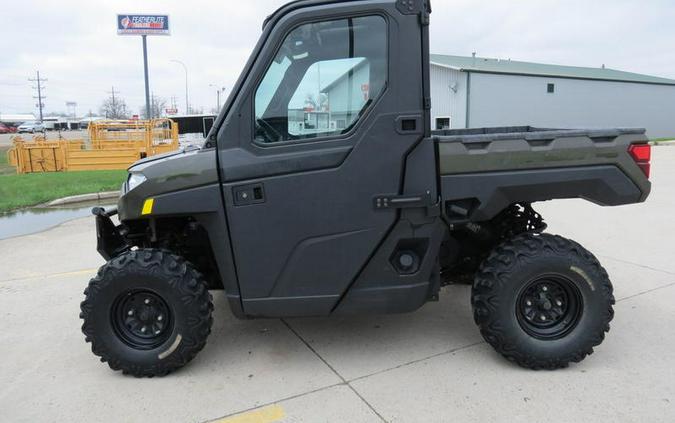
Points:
x=84, y=197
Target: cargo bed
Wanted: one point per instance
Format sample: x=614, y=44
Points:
x=483, y=170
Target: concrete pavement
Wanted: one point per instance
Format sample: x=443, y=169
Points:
x=428, y=366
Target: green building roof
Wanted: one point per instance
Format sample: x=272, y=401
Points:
x=512, y=67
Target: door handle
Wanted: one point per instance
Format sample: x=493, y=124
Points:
x=384, y=202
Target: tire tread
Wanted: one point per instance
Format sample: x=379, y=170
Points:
x=492, y=276
x=188, y=283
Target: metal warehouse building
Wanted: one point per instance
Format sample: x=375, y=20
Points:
x=469, y=92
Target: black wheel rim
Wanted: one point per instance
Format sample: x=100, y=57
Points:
x=549, y=307
x=142, y=319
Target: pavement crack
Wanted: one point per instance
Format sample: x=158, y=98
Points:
x=646, y=292
x=419, y=360
x=638, y=265
x=344, y=381
x=279, y=401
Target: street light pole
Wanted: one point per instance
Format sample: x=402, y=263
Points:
x=187, y=101
x=218, y=91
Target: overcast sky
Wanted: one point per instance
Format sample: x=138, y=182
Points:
x=74, y=43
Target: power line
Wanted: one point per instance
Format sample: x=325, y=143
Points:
x=39, y=87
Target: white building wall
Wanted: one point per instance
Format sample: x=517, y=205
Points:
x=448, y=96
x=507, y=100
x=339, y=95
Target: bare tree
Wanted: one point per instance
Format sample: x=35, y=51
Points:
x=114, y=107
x=157, y=107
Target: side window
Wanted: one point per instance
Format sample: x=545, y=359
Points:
x=324, y=76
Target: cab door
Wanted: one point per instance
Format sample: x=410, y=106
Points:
x=321, y=125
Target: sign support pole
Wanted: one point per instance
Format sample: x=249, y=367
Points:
x=144, y=25
x=147, y=83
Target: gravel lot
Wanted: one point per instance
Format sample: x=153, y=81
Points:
x=429, y=366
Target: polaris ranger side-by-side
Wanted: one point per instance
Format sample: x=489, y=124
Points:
x=322, y=190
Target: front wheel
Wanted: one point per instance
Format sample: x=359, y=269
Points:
x=147, y=313
x=542, y=301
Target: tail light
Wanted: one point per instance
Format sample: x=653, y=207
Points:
x=642, y=154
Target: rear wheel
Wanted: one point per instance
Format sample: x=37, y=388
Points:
x=147, y=313
x=542, y=301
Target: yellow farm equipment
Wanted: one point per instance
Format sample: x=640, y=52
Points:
x=111, y=145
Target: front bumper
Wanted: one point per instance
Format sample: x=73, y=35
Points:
x=109, y=241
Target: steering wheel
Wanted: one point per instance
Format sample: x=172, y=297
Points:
x=268, y=130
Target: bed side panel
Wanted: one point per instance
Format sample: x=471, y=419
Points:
x=483, y=174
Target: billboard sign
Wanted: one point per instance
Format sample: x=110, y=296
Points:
x=128, y=24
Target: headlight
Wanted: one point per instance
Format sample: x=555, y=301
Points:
x=135, y=179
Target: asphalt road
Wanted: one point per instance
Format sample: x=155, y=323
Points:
x=428, y=366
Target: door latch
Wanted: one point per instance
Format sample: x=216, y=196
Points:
x=248, y=194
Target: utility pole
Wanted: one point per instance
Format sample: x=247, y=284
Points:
x=114, y=103
x=112, y=93
x=39, y=87
x=72, y=106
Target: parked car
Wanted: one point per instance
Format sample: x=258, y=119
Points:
x=6, y=129
x=31, y=127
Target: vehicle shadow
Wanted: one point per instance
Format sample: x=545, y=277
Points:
x=354, y=346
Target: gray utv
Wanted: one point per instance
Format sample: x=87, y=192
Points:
x=322, y=190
